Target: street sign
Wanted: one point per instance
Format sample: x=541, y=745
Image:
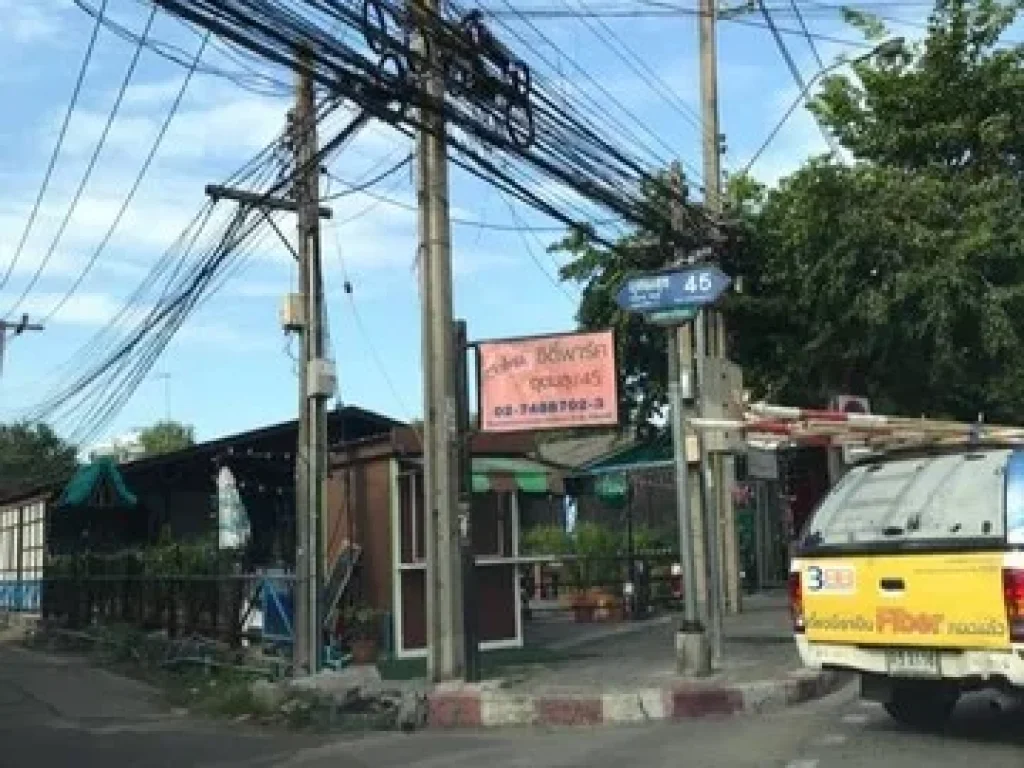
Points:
x=678, y=316
x=613, y=489
x=698, y=285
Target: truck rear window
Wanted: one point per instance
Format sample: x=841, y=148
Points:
x=951, y=498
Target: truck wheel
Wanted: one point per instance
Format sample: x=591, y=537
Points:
x=924, y=706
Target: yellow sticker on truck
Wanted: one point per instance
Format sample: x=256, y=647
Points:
x=935, y=600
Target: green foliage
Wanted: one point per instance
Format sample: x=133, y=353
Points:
x=899, y=275
x=166, y=437
x=546, y=540
x=166, y=559
x=593, y=551
x=32, y=455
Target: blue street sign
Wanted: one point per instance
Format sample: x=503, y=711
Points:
x=697, y=285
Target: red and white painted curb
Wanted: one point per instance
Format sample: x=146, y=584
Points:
x=477, y=706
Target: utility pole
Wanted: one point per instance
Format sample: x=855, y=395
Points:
x=693, y=655
x=710, y=342
x=445, y=659
x=14, y=329
x=303, y=313
x=315, y=384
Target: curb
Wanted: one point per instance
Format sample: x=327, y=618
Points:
x=476, y=706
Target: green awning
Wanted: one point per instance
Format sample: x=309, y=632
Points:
x=79, y=492
x=498, y=474
x=522, y=475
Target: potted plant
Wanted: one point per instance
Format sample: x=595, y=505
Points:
x=362, y=631
x=594, y=568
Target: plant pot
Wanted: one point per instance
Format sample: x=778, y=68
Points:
x=364, y=650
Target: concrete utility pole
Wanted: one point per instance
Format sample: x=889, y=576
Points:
x=303, y=313
x=709, y=332
x=14, y=329
x=445, y=659
x=692, y=651
x=315, y=385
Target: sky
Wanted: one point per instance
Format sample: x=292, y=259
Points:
x=231, y=367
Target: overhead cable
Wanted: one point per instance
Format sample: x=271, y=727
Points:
x=89, y=168
x=140, y=176
x=72, y=104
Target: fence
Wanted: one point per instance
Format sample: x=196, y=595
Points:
x=219, y=607
x=567, y=583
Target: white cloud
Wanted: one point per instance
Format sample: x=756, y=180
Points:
x=86, y=309
x=28, y=22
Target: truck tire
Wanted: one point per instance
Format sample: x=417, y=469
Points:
x=923, y=706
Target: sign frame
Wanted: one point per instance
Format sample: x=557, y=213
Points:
x=610, y=407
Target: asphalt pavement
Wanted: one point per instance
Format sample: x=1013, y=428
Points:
x=60, y=712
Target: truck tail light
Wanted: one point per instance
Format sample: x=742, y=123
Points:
x=796, y=601
x=1013, y=595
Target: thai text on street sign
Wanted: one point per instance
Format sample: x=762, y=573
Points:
x=548, y=382
x=694, y=285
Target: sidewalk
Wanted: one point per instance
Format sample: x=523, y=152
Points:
x=626, y=674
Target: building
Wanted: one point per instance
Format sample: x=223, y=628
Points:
x=171, y=494
x=375, y=500
x=22, y=546
x=374, y=529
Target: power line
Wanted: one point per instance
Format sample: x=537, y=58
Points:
x=658, y=9
x=457, y=220
x=533, y=256
x=797, y=75
x=97, y=395
x=249, y=79
x=373, y=181
x=807, y=33
x=90, y=167
x=645, y=72
x=175, y=105
x=363, y=331
x=76, y=92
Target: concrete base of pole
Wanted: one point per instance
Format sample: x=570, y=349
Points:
x=693, y=652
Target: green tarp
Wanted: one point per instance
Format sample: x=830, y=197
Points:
x=523, y=475
x=643, y=456
x=80, y=490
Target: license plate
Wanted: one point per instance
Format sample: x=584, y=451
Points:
x=908, y=663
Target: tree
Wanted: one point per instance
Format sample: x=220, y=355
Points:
x=165, y=437
x=32, y=455
x=900, y=275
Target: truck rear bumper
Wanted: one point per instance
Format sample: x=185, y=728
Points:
x=985, y=667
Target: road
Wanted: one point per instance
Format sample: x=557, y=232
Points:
x=60, y=712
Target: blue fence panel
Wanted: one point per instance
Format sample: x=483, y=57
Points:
x=20, y=595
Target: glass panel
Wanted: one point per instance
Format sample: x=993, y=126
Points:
x=945, y=497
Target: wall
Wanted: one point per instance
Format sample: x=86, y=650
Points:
x=359, y=510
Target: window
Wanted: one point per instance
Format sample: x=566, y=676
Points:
x=492, y=523
x=413, y=518
x=933, y=498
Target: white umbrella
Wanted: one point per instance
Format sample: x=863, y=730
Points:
x=232, y=521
